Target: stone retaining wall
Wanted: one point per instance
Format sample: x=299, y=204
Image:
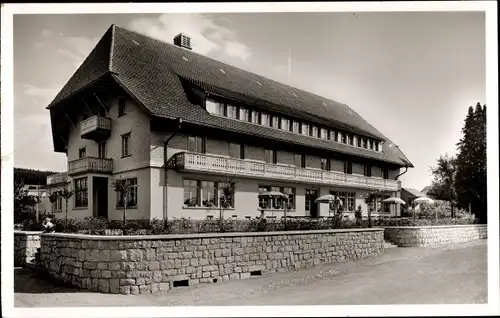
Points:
x=432, y=236
x=147, y=264
x=25, y=247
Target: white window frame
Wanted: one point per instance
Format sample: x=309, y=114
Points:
x=305, y=129
x=232, y=111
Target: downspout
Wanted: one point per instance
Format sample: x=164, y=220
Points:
x=406, y=170
x=397, y=177
x=165, y=160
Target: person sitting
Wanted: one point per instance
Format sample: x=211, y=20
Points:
x=48, y=226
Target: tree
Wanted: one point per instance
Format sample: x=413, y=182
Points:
x=123, y=188
x=226, y=197
x=66, y=194
x=470, y=180
x=443, y=185
x=53, y=197
x=370, y=199
x=23, y=201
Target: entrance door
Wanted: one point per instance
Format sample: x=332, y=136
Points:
x=100, y=197
x=311, y=196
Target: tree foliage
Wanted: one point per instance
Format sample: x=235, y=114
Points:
x=30, y=176
x=443, y=185
x=470, y=182
x=122, y=186
x=461, y=180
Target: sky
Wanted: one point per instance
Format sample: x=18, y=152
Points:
x=412, y=75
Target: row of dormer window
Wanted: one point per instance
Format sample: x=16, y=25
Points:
x=295, y=126
x=197, y=144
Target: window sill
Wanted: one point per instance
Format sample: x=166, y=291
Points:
x=206, y=208
x=132, y=207
x=80, y=208
x=126, y=156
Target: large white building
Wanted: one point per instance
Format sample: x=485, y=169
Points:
x=180, y=125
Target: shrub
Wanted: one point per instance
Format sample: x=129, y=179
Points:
x=99, y=226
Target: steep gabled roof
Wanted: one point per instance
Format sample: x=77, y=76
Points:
x=153, y=72
x=414, y=192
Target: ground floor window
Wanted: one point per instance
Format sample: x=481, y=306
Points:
x=81, y=192
x=57, y=204
x=131, y=184
x=311, y=195
x=277, y=203
x=381, y=206
x=208, y=194
x=348, y=199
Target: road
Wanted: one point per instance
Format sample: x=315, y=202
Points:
x=451, y=274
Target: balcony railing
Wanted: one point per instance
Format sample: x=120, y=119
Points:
x=90, y=164
x=95, y=127
x=215, y=164
x=58, y=178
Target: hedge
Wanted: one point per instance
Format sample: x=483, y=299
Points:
x=97, y=226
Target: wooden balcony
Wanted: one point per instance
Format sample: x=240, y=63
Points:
x=57, y=179
x=222, y=165
x=96, y=128
x=90, y=164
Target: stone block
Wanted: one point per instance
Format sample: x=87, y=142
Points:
x=164, y=286
x=89, y=265
x=136, y=255
x=114, y=266
x=244, y=275
x=127, y=282
x=106, y=274
x=104, y=285
x=140, y=281
x=150, y=254
x=114, y=286
x=154, y=265
x=118, y=255
x=134, y=290
x=104, y=255
x=155, y=288
x=102, y=266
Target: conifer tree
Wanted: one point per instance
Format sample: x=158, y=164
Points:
x=470, y=181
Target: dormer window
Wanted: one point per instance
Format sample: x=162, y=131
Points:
x=254, y=117
x=324, y=133
x=275, y=122
x=296, y=127
x=305, y=129
x=232, y=111
x=243, y=114
x=371, y=144
x=377, y=146
x=358, y=141
x=264, y=119
x=314, y=131
x=350, y=139
x=214, y=107
x=364, y=143
x=335, y=136
x=344, y=138
x=285, y=124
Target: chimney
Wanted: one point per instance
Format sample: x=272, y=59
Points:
x=183, y=41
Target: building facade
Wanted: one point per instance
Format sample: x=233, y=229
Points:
x=196, y=138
